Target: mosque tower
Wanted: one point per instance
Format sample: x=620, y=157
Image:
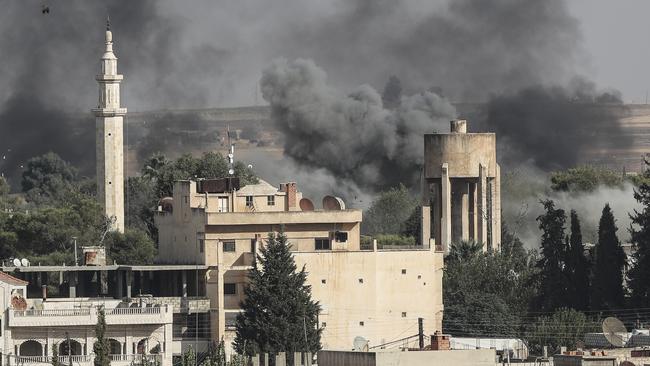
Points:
x=109, y=138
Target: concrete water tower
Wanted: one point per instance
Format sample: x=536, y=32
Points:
x=461, y=195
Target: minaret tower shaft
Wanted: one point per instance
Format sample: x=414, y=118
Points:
x=110, y=138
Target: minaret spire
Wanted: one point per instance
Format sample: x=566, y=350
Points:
x=110, y=137
x=108, y=22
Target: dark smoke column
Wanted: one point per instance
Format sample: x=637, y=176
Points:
x=109, y=138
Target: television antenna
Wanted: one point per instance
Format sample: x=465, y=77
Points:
x=615, y=332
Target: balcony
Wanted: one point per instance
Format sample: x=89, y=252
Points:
x=88, y=316
x=86, y=359
x=284, y=217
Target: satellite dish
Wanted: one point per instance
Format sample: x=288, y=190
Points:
x=332, y=203
x=250, y=166
x=231, y=171
x=24, y=262
x=16, y=262
x=615, y=332
x=360, y=344
x=306, y=204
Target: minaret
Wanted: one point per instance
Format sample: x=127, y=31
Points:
x=109, y=138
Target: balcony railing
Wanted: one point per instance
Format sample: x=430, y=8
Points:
x=65, y=360
x=52, y=312
x=135, y=311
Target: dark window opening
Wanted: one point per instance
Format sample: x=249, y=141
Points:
x=323, y=244
x=230, y=289
x=229, y=246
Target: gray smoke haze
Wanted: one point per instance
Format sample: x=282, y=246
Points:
x=524, y=187
x=553, y=127
x=352, y=136
x=209, y=53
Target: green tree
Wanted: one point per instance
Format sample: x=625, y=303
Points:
x=101, y=347
x=131, y=247
x=47, y=177
x=566, y=327
x=55, y=355
x=487, y=294
x=552, y=294
x=413, y=224
x=389, y=212
x=278, y=313
x=584, y=179
x=577, y=267
x=189, y=358
x=141, y=202
x=392, y=94
x=464, y=250
x=607, y=286
x=639, y=274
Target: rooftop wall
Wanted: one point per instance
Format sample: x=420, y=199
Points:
x=463, y=152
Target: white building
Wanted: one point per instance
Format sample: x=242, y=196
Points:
x=32, y=327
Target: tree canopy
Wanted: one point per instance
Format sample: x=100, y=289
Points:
x=607, y=286
x=639, y=274
x=389, y=212
x=278, y=313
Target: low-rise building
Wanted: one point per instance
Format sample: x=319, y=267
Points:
x=363, y=290
x=31, y=328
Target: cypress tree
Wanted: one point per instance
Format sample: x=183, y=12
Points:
x=607, y=286
x=639, y=274
x=552, y=278
x=577, y=267
x=278, y=312
x=55, y=355
x=101, y=347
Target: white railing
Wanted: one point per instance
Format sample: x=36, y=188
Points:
x=47, y=359
x=52, y=312
x=132, y=358
x=135, y=311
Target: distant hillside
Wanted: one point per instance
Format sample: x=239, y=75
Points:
x=174, y=132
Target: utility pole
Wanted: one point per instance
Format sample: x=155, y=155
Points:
x=421, y=333
x=76, y=260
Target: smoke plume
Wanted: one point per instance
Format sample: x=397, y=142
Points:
x=351, y=136
x=555, y=127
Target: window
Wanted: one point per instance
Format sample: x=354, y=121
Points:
x=403, y=271
x=360, y=280
x=362, y=324
x=230, y=289
x=222, y=204
x=323, y=244
x=403, y=314
x=270, y=200
x=201, y=245
x=323, y=324
x=341, y=236
x=229, y=246
x=249, y=201
x=323, y=281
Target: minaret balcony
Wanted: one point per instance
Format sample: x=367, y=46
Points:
x=109, y=112
x=104, y=77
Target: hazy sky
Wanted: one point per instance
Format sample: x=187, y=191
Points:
x=617, y=37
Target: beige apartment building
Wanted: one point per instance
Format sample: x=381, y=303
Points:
x=32, y=327
x=364, y=291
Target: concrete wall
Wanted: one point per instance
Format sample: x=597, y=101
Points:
x=425, y=358
x=367, y=294
x=462, y=151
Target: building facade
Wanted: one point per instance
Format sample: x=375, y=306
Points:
x=109, y=137
x=461, y=194
x=363, y=290
x=31, y=328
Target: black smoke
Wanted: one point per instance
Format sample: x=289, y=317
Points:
x=556, y=127
x=353, y=136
